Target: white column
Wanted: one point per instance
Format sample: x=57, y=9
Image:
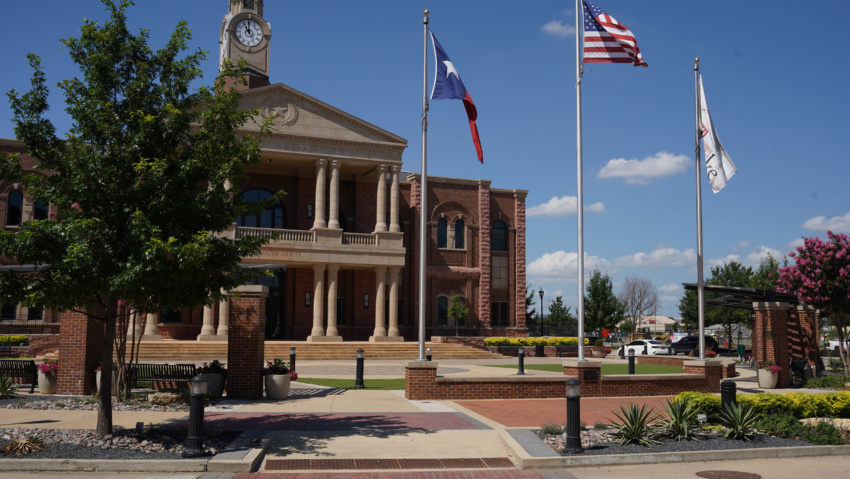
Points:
x=381, y=220
x=223, y=317
x=208, y=328
x=319, y=213
x=394, y=228
x=393, y=330
x=332, y=293
x=136, y=328
x=318, y=300
x=380, y=298
x=152, y=327
x=333, y=221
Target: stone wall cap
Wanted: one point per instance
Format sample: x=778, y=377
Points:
x=252, y=289
x=703, y=364
x=505, y=379
x=651, y=377
x=757, y=305
x=575, y=363
x=421, y=365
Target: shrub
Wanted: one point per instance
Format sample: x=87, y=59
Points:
x=14, y=340
x=781, y=424
x=600, y=425
x=801, y=405
x=278, y=367
x=739, y=421
x=599, y=343
x=8, y=389
x=215, y=366
x=703, y=403
x=835, y=365
x=679, y=420
x=826, y=382
x=824, y=433
x=635, y=426
x=551, y=429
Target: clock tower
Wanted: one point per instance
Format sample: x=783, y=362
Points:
x=245, y=34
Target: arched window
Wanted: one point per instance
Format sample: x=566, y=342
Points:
x=39, y=211
x=272, y=217
x=442, y=233
x=499, y=236
x=460, y=234
x=442, y=310
x=16, y=204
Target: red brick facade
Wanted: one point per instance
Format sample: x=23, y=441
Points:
x=80, y=351
x=246, y=346
x=770, y=338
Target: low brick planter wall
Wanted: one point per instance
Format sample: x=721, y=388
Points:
x=727, y=365
x=422, y=383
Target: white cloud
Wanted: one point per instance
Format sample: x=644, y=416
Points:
x=759, y=253
x=671, y=288
x=711, y=263
x=563, y=266
x=558, y=29
x=636, y=171
x=839, y=224
x=663, y=256
x=563, y=206
x=742, y=244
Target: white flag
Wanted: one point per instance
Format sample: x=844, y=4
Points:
x=717, y=162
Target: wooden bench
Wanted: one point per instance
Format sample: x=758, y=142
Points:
x=171, y=373
x=20, y=368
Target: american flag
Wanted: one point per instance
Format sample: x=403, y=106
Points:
x=608, y=41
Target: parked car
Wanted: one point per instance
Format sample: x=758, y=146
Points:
x=651, y=346
x=691, y=343
x=833, y=345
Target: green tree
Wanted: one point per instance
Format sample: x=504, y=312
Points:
x=730, y=274
x=532, y=322
x=766, y=276
x=458, y=312
x=559, y=321
x=140, y=184
x=602, y=308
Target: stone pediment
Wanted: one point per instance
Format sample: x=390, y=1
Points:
x=302, y=124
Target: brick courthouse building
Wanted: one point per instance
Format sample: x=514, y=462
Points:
x=346, y=264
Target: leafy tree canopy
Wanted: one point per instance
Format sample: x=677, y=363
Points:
x=602, y=308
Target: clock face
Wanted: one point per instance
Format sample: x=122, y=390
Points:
x=249, y=33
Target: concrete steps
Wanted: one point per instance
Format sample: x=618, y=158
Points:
x=200, y=351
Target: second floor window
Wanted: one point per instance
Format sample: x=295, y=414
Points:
x=272, y=217
x=451, y=236
x=39, y=211
x=499, y=236
x=16, y=205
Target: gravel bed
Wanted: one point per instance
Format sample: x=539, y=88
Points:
x=601, y=442
x=156, y=444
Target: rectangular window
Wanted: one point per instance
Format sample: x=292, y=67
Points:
x=500, y=272
x=340, y=311
x=499, y=317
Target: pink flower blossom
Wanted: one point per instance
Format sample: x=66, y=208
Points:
x=75, y=206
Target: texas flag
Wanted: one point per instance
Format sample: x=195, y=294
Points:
x=447, y=86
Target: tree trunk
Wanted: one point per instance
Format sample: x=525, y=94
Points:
x=104, y=413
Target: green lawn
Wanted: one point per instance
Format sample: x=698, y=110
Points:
x=373, y=384
x=606, y=368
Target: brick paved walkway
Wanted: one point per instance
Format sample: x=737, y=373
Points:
x=332, y=422
x=477, y=474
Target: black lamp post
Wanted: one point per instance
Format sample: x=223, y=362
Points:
x=292, y=358
x=573, y=444
x=541, y=312
x=521, y=359
x=358, y=381
x=195, y=439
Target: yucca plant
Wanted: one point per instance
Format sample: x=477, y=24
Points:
x=680, y=421
x=635, y=425
x=739, y=421
x=8, y=389
x=18, y=447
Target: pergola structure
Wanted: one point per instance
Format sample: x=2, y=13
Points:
x=784, y=328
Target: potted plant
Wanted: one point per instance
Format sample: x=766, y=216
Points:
x=768, y=374
x=600, y=351
x=216, y=374
x=97, y=372
x=278, y=375
x=47, y=376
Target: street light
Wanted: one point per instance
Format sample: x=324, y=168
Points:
x=573, y=444
x=541, y=312
x=194, y=439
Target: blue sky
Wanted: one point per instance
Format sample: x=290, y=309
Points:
x=778, y=98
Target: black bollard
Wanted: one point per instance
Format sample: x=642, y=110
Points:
x=427, y=354
x=727, y=396
x=292, y=358
x=358, y=381
x=631, y=361
x=195, y=435
x=521, y=357
x=573, y=443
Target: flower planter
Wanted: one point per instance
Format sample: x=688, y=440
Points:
x=215, y=384
x=767, y=379
x=46, y=383
x=277, y=386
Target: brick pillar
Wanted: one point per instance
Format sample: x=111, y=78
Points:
x=420, y=379
x=772, y=325
x=245, y=345
x=484, y=253
x=807, y=318
x=80, y=351
x=519, y=262
x=589, y=374
x=713, y=371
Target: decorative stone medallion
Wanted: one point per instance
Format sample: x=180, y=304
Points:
x=285, y=115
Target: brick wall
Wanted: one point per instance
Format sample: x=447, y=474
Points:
x=772, y=337
x=519, y=261
x=80, y=351
x=484, y=252
x=727, y=365
x=245, y=346
x=803, y=332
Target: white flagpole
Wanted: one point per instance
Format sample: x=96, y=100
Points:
x=580, y=193
x=423, y=202
x=700, y=287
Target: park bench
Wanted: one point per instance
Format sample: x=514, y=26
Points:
x=508, y=349
x=170, y=373
x=561, y=351
x=20, y=368
x=5, y=350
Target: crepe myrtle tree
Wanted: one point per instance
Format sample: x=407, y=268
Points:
x=138, y=187
x=821, y=278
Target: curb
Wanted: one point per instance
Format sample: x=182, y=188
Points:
x=250, y=449
x=528, y=454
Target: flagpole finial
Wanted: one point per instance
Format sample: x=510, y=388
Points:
x=427, y=12
x=696, y=64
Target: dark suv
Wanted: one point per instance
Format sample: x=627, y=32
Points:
x=691, y=343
